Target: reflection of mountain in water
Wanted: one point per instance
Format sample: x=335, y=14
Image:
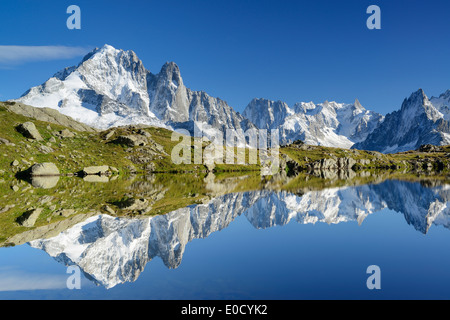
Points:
x=115, y=250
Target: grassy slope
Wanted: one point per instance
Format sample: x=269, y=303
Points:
x=401, y=161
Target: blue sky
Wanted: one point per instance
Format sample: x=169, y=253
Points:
x=238, y=50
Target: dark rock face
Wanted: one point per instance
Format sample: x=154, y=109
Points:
x=418, y=122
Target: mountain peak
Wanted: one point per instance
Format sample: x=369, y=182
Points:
x=416, y=99
x=419, y=94
x=171, y=72
x=445, y=95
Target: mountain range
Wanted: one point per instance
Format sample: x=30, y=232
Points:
x=111, y=87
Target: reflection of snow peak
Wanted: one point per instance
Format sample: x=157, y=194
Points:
x=115, y=250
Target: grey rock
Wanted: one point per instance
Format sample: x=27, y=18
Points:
x=96, y=178
x=6, y=208
x=210, y=166
x=110, y=134
x=6, y=142
x=97, y=170
x=66, y=134
x=430, y=148
x=49, y=115
x=44, y=169
x=114, y=169
x=28, y=219
x=28, y=130
x=108, y=209
x=45, y=149
x=132, y=140
x=65, y=213
x=134, y=204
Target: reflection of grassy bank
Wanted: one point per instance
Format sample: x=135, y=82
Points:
x=159, y=193
x=156, y=194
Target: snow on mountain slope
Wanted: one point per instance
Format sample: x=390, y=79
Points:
x=329, y=124
x=111, y=87
x=108, y=88
x=442, y=104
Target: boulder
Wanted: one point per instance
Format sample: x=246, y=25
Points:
x=6, y=142
x=65, y=213
x=66, y=134
x=28, y=219
x=110, y=134
x=134, y=204
x=346, y=163
x=45, y=149
x=28, y=130
x=328, y=164
x=99, y=170
x=44, y=169
x=96, y=178
x=132, y=140
x=44, y=182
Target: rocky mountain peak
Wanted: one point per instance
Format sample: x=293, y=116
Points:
x=171, y=72
x=357, y=104
x=417, y=97
x=445, y=95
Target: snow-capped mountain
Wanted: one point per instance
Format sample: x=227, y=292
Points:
x=108, y=88
x=419, y=121
x=329, y=124
x=113, y=250
x=111, y=87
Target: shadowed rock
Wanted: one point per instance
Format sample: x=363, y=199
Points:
x=28, y=130
x=132, y=140
x=28, y=219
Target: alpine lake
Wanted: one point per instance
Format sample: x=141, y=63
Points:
x=227, y=236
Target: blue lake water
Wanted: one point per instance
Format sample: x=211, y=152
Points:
x=253, y=245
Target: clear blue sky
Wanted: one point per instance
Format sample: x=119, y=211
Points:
x=238, y=50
